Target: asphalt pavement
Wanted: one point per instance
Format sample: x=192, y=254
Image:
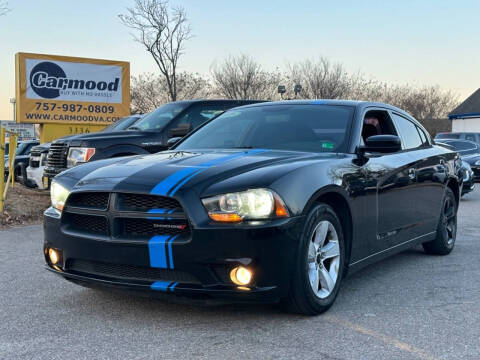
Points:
x=410, y=306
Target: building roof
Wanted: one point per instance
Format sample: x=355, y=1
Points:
x=469, y=108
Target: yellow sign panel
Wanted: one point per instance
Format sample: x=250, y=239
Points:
x=71, y=90
x=50, y=132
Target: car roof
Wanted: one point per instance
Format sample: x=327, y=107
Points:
x=217, y=101
x=339, y=102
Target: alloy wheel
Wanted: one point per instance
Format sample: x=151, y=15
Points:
x=323, y=259
x=449, y=221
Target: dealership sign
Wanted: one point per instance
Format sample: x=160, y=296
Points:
x=24, y=131
x=61, y=89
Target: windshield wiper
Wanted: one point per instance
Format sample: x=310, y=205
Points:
x=134, y=128
x=242, y=147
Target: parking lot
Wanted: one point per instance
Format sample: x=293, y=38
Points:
x=411, y=306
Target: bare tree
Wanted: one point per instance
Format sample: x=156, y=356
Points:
x=149, y=91
x=4, y=7
x=241, y=77
x=427, y=102
x=162, y=30
x=320, y=79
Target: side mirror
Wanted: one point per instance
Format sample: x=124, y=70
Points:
x=382, y=144
x=173, y=141
x=180, y=131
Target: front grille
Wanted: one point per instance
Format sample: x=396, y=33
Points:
x=140, y=202
x=35, y=153
x=106, y=214
x=36, y=163
x=90, y=224
x=89, y=200
x=57, y=155
x=131, y=272
x=147, y=227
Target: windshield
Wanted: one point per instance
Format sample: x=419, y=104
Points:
x=313, y=128
x=121, y=124
x=160, y=117
x=21, y=148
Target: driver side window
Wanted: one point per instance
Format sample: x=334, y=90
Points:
x=376, y=122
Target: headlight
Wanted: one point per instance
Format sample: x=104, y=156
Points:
x=252, y=204
x=43, y=159
x=59, y=195
x=477, y=162
x=78, y=155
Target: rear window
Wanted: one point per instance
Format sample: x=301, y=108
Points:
x=471, y=137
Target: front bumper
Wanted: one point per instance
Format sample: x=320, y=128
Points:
x=468, y=182
x=202, y=262
x=476, y=172
x=50, y=171
x=35, y=174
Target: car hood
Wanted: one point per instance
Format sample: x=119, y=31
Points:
x=40, y=148
x=471, y=159
x=169, y=172
x=18, y=157
x=100, y=136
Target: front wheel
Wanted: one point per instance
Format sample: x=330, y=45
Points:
x=320, y=263
x=446, y=229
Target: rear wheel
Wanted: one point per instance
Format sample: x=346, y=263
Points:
x=320, y=263
x=446, y=229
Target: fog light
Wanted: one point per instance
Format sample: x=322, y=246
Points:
x=54, y=256
x=241, y=275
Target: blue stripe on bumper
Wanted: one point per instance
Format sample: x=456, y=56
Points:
x=157, y=251
x=163, y=285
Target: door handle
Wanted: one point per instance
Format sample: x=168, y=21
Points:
x=411, y=173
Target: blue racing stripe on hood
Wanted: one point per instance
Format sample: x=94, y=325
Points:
x=172, y=183
x=163, y=187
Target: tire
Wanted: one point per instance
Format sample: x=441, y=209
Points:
x=447, y=227
x=18, y=173
x=316, y=266
x=24, y=179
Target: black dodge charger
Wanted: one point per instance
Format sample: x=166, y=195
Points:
x=272, y=202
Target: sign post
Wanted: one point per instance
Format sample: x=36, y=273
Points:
x=68, y=90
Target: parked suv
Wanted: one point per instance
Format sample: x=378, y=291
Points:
x=471, y=136
x=39, y=154
x=148, y=135
x=22, y=156
x=36, y=165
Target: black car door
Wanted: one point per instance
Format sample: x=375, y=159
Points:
x=394, y=177
x=428, y=166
